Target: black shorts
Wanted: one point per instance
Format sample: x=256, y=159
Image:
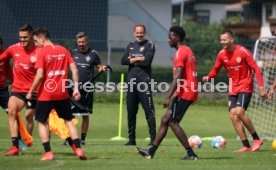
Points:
x=44, y=108
x=86, y=101
x=4, y=97
x=240, y=100
x=178, y=108
x=30, y=104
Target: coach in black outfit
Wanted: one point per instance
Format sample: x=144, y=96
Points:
x=138, y=56
x=86, y=59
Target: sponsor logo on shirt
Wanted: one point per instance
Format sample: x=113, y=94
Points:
x=17, y=55
x=25, y=66
x=225, y=61
x=234, y=67
x=52, y=73
x=56, y=56
x=191, y=58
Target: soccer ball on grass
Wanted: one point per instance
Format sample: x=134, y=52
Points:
x=218, y=142
x=195, y=141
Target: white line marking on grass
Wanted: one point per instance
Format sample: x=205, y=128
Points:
x=59, y=163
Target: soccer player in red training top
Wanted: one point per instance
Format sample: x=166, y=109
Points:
x=24, y=57
x=5, y=69
x=184, y=86
x=52, y=71
x=239, y=64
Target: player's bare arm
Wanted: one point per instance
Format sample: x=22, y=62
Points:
x=38, y=77
x=178, y=73
x=133, y=60
x=75, y=77
x=101, y=68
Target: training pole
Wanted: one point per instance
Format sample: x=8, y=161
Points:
x=119, y=137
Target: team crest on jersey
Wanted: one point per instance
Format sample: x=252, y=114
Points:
x=141, y=49
x=87, y=58
x=238, y=59
x=48, y=58
x=33, y=59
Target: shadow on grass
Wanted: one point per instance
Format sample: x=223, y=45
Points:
x=216, y=158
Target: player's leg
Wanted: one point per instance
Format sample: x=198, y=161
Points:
x=84, y=128
x=132, y=109
x=15, y=104
x=30, y=112
x=161, y=133
x=232, y=104
x=41, y=115
x=179, y=109
x=146, y=101
x=30, y=120
x=64, y=111
x=244, y=100
x=87, y=102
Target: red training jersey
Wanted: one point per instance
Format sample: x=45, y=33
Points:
x=239, y=66
x=187, y=88
x=55, y=60
x=23, y=66
x=5, y=69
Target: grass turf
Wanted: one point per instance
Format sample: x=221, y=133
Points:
x=104, y=153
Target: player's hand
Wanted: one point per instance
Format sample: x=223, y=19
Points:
x=133, y=60
x=28, y=96
x=166, y=102
x=104, y=68
x=141, y=58
x=270, y=94
x=76, y=95
x=205, y=78
x=262, y=92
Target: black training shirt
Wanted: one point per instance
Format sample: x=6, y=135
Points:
x=85, y=62
x=140, y=70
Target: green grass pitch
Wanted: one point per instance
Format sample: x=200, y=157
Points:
x=104, y=153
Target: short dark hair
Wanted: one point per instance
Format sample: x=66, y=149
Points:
x=81, y=34
x=141, y=25
x=178, y=31
x=27, y=28
x=42, y=31
x=227, y=31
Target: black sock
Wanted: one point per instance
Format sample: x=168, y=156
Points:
x=77, y=142
x=69, y=140
x=83, y=135
x=46, y=146
x=15, y=141
x=190, y=151
x=246, y=143
x=153, y=149
x=255, y=136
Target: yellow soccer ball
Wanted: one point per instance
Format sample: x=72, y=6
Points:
x=274, y=144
